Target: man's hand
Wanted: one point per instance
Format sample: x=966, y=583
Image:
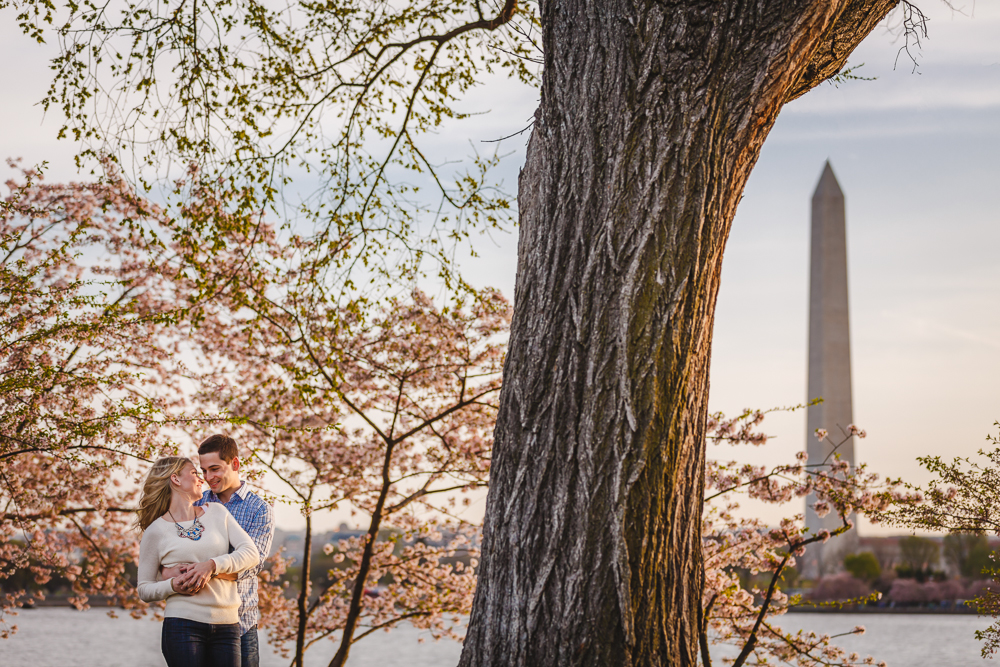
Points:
x=195, y=578
x=175, y=583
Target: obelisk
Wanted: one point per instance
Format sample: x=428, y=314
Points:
x=829, y=361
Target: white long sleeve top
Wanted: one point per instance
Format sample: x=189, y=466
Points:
x=218, y=601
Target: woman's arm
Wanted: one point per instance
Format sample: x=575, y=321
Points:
x=149, y=564
x=244, y=555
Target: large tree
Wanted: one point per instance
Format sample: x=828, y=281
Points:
x=652, y=115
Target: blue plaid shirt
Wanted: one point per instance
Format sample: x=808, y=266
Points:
x=257, y=518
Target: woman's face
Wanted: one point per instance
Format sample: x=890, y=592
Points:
x=188, y=482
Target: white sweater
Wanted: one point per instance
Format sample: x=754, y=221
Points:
x=218, y=601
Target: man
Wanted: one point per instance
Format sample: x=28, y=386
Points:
x=220, y=466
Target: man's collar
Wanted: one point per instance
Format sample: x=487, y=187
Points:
x=241, y=492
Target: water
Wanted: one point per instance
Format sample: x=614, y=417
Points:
x=56, y=636
x=901, y=640
x=52, y=636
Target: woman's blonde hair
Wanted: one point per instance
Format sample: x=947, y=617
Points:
x=155, y=499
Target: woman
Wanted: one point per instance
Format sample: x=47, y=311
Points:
x=201, y=622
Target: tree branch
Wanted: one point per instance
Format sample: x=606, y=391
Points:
x=856, y=20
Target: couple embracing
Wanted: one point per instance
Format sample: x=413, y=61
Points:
x=201, y=552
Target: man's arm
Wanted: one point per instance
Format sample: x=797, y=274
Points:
x=178, y=570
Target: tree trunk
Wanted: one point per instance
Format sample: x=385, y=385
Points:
x=303, y=599
x=651, y=118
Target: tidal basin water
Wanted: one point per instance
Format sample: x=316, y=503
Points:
x=58, y=636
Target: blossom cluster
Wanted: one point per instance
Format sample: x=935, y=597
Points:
x=742, y=612
x=80, y=310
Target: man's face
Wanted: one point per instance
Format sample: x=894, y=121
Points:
x=221, y=476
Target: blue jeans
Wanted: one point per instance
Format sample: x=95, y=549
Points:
x=187, y=643
x=250, y=648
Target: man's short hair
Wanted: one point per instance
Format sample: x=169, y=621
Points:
x=222, y=444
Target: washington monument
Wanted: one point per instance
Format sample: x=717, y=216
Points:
x=829, y=359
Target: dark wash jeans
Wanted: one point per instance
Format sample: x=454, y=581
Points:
x=187, y=643
x=250, y=648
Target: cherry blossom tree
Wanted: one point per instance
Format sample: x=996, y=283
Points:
x=746, y=618
x=381, y=404
x=379, y=401
x=840, y=587
x=908, y=592
x=980, y=588
x=79, y=310
x=389, y=415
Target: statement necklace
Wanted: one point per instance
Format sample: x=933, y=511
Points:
x=192, y=533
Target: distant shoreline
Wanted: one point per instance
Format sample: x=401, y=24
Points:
x=101, y=602
x=960, y=610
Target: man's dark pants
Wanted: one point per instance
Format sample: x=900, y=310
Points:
x=249, y=648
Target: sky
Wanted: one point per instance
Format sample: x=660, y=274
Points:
x=916, y=153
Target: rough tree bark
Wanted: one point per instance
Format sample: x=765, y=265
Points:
x=652, y=115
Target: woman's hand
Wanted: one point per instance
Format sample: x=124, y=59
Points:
x=175, y=571
x=195, y=578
